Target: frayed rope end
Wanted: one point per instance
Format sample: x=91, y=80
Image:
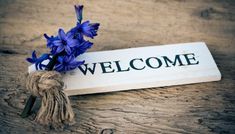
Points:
x=55, y=107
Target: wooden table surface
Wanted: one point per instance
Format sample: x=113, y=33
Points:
x=197, y=108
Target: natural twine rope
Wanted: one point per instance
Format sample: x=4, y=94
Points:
x=55, y=108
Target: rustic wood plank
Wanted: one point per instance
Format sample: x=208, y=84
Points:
x=196, y=108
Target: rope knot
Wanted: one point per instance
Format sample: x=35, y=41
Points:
x=55, y=107
x=41, y=81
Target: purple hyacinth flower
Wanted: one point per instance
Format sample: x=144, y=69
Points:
x=88, y=29
x=33, y=59
x=82, y=48
x=38, y=61
x=65, y=42
x=67, y=63
x=78, y=10
x=50, y=40
x=68, y=45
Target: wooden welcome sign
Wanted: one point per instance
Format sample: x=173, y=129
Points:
x=136, y=68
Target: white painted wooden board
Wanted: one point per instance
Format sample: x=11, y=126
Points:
x=150, y=67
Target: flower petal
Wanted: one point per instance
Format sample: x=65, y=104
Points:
x=70, y=34
x=61, y=34
x=60, y=48
x=36, y=66
x=89, y=29
x=60, y=59
x=77, y=63
x=30, y=60
x=46, y=36
x=59, y=68
x=68, y=49
x=57, y=43
x=34, y=56
x=72, y=42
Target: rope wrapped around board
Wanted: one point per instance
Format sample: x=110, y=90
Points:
x=55, y=107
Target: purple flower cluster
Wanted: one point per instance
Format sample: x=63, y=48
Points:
x=67, y=46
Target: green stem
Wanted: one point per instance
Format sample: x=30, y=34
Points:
x=28, y=106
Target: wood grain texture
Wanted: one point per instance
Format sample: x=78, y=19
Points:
x=197, y=108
